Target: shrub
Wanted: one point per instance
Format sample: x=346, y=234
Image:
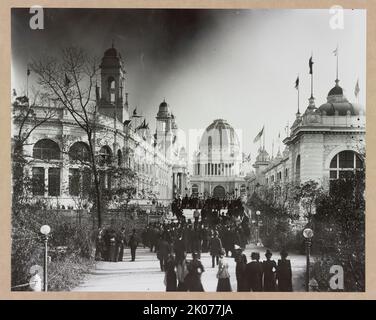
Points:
x=28, y=247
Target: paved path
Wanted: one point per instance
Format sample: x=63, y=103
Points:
x=144, y=274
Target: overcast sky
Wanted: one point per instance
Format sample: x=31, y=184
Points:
x=237, y=65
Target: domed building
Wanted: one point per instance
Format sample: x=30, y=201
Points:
x=324, y=144
x=217, y=163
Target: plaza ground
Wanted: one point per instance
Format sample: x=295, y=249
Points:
x=144, y=274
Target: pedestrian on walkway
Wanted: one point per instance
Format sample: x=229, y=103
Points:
x=269, y=268
x=133, y=243
x=240, y=270
x=170, y=274
x=284, y=273
x=215, y=248
x=112, y=245
x=223, y=275
x=195, y=269
x=179, y=248
x=162, y=252
x=196, y=215
x=182, y=272
x=254, y=273
x=122, y=242
x=100, y=245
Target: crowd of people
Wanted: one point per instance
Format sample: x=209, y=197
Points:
x=221, y=233
x=110, y=244
x=171, y=245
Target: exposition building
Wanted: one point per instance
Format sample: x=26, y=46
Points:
x=57, y=148
x=217, y=165
x=324, y=143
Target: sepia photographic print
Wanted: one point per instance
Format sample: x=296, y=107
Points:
x=188, y=150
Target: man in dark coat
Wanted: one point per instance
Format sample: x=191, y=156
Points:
x=170, y=275
x=215, y=248
x=284, y=274
x=196, y=241
x=228, y=240
x=254, y=273
x=187, y=236
x=163, y=251
x=122, y=243
x=133, y=243
x=240, y=270
x=269, y=268
x=179, y=248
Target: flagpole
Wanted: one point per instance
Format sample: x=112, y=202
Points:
x=312, y=84
x=298, y=99
x=263, y=133
x=337, y=64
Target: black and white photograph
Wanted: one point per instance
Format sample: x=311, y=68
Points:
x=188, y=150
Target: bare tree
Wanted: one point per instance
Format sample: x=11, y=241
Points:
x=70, y=79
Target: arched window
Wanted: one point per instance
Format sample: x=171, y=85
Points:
x=105, y=156
x=345, y=164
x=297, y=169
x=46, y=149
x=119, y=157
x=195, y=190
x=79, y=151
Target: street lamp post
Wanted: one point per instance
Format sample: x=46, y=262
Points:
x=307, y=234
x=45, y=230
x=257, y=227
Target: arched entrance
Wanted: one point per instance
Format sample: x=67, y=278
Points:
x=219, y=192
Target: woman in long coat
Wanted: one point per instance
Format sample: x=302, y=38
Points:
x=223, y=275
x=254, y=273
x=269, y=268
x=170, y=275
x=195, y=269
x=284, y=274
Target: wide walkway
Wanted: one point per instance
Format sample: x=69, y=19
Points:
x=144, y=274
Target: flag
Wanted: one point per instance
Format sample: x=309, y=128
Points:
x=335, y=52
x=310, y=65
x=297, y=83
x=357, y=89
x=67, y=80
x=28, y=72
x=257, y=138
